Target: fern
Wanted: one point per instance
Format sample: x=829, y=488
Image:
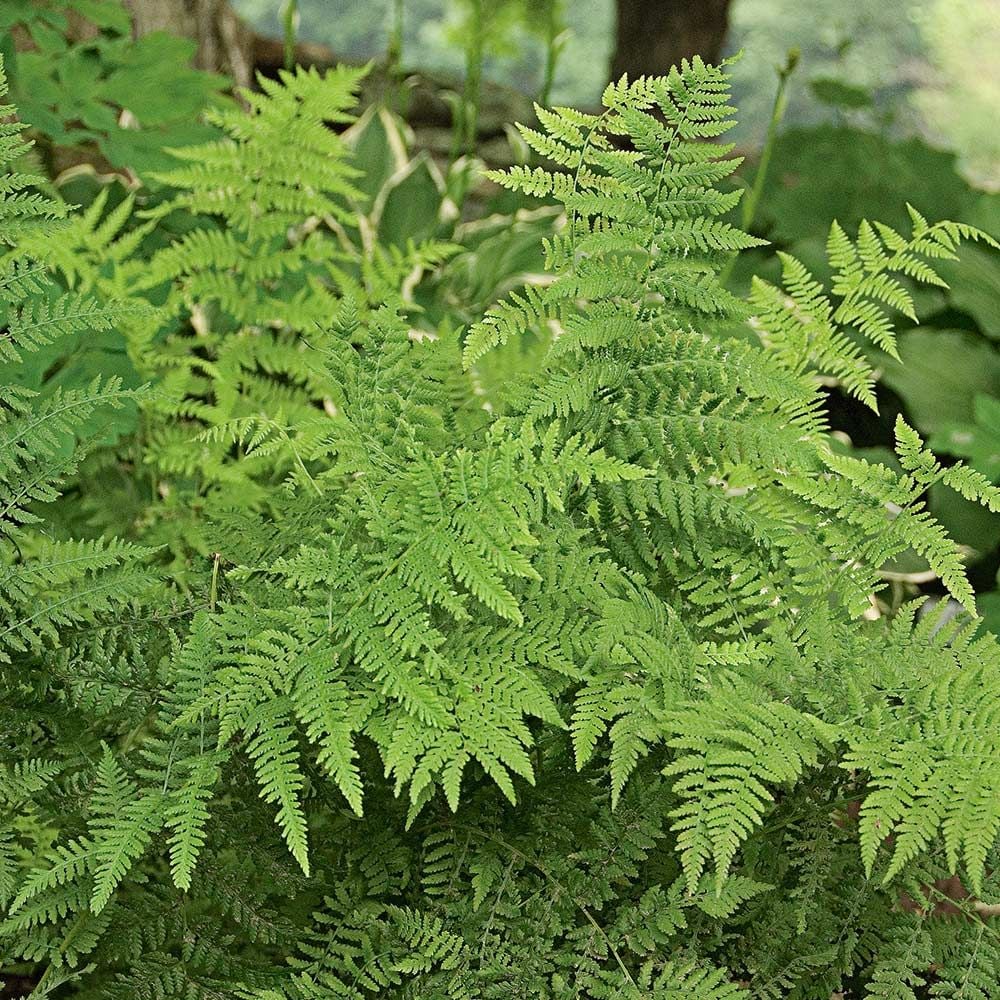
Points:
x=409, y=676
x=808, y=330
x=928, y=763
x=645, y=218
x=733, y=750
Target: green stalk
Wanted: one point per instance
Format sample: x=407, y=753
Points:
x=552, y=36
x=291, y=10
x=213, y=593
x=751, y=203
x=473, y=78
x=394, y=51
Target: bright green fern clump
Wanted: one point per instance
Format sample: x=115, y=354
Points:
x=390, y=688
x=46, y=583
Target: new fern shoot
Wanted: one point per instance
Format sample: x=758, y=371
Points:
x=357, y=680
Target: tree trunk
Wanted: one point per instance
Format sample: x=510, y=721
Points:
x=654, y=35
x=225, y=42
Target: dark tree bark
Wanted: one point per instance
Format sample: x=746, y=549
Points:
x=653, y=35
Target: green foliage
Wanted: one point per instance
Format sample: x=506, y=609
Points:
x=46, y=584
x=977, y=441
x=927, y=772
x=131, y=99
x=526, y=44
x=946, y=363
x=646, y=216
x=549, y=657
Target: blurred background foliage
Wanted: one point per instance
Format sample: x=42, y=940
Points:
x=926, y=67
x=883, y=104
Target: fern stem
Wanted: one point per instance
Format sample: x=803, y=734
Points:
x=214, y=589
x=576, y=174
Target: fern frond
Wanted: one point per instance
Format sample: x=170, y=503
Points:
x=732, y=751
x=275, y=758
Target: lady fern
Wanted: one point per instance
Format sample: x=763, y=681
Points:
x=572, y=695
x=46, y=583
